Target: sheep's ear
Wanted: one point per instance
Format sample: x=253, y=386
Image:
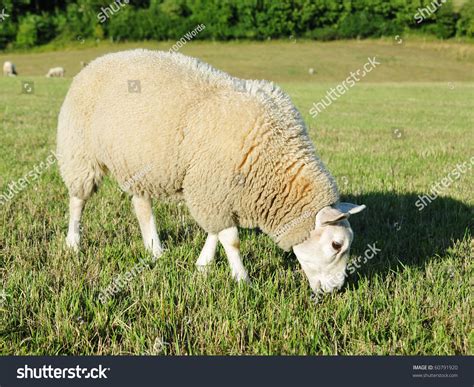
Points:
x=340, y=211
x=329, y=215
x=349, y=208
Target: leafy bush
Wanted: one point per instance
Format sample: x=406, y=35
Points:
x=364, y=25
x=445, y=21
x=27, y=34
x=82, y=20
x=7, y=34
x=34, y=30
x=35, y=23
x=465, y=24
x=325, y=33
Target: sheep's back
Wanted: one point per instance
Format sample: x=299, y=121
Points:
x=131, y=111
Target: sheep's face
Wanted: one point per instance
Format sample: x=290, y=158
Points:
x=324, y=255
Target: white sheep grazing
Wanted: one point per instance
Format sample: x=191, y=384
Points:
x=9, y=69
x=235, y=151
x=57, y=72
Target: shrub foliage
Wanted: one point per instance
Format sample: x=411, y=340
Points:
x=32, y=22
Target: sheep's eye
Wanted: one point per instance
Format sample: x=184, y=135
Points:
x=336, y=246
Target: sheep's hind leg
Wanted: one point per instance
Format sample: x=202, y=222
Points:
x=76, y=205
x=208, y=252
x=147, y=223
x=230, y=241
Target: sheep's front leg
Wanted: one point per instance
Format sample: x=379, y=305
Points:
x=208, y=252
x=147, y=223
x=230, y=241
x=76, y=205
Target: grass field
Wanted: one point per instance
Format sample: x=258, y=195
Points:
x=387, y=140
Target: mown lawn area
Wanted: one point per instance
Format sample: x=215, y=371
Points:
x=392, y=136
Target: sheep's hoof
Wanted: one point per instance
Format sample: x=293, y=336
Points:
x=242, y=279
x=73, y=248
x=72, y=243
x=157, y=254
x=203, y=269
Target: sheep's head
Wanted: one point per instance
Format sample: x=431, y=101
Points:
x=325, y=254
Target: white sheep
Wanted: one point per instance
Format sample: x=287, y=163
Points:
x=9, y=69
x=235, y=151
x=57, y=72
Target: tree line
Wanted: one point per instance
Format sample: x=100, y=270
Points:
x=35, y=22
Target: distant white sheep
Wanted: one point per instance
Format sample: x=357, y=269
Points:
x=9, y=69
x=236, y=151
x=57, y=72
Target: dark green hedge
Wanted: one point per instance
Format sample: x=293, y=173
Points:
x=35, y=22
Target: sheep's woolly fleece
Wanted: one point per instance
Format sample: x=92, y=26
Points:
x=236, y=151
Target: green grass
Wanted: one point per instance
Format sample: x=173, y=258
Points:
x=414, y=297
x=414, y=59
